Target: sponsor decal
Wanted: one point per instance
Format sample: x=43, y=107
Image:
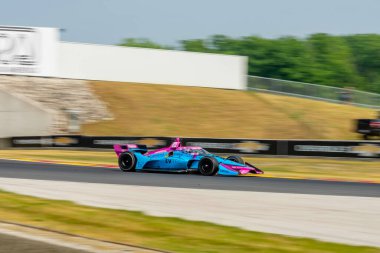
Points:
x=368, y=150
x=237, y=167
x=252, y=146
x=65, y=141
x=317, y=148
x=112, y=142
x=244, y=146
x=20, y=50
x=207, y=145
x=363, y=149
x=151, y=142
x=35, y=141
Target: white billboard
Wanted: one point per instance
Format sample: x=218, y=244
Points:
x=37, y=51
x=153, y=66
x=28, y=50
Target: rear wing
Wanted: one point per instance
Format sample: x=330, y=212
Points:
x=120, y=148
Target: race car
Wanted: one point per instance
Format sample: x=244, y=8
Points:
x=178, y=158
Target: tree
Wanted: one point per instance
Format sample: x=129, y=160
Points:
x=333, y=61
x=366, y=51
x=340, y=61
x=141, y=42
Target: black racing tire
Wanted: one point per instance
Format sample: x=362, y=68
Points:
x=208, y=166
x=127, y=161
x=236, y=159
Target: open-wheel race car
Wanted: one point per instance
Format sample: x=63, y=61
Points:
x=178, y=158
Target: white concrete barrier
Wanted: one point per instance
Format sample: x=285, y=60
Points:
x=156, y=66
x=37, y=51
x=21, y=117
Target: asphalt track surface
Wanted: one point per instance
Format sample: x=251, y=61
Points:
x=55, y=172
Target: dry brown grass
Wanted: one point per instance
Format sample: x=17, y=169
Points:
x=146, y=109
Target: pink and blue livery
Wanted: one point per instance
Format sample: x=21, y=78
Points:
x=178, y=158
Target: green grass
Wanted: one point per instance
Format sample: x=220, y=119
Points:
x=313, y=168
x=170, y=234
x=169, y=110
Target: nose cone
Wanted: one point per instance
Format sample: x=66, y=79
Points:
x=258, y=171
x=247, y=170
x=243, y=169
x=255, y=169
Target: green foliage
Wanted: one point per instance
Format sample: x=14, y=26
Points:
x=341, y=61
x=140, y=42
x=365, y=49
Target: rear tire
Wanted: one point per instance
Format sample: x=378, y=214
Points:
x=208, y=166
x=127, y=161
x=236, y=159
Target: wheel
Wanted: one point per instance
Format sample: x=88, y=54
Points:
x=208, y=166
x=127, y=161
x=236, y=159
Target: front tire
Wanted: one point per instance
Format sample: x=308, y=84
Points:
x=208, y=166
x=127, y=161
x=236, y=159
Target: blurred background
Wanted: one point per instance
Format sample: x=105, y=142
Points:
x=326, y=51
x=292, y=86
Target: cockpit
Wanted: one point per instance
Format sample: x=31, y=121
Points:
x=195, y=151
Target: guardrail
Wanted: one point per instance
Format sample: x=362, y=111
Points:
x=314, y=91
x=324, y=148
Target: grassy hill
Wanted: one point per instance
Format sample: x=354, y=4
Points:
x=164, y=110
